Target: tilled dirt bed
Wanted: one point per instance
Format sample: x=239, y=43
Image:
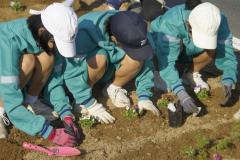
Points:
x=147, y=137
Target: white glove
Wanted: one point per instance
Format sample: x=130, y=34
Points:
x=148, y=105
x=98, y=112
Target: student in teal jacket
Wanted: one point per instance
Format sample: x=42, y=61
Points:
x=200, y=35
x=99, y=57
x=123, y=36
x=32, y=35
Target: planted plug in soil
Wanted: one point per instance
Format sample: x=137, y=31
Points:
x=87, y=122
x=131, y=113
x=165, y=100
x=203, y=94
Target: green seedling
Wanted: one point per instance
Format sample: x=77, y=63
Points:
x=189, y=152
x=202, y=154
x=203, y=94
x=235, y=131
x=16, y=6
x=87, y=122
x=130, y=113
x=162, y=103
x=202, y=141
x=223, y=144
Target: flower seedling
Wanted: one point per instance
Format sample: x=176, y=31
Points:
x=235, y=131
x=130, y=113
x=202, y=154
x=87, y=122
x=162, y=103
x=203, y=94
x=202, y=142
x=16, y=5
x=189, y=152
x=223, y=144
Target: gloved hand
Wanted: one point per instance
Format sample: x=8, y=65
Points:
x=98, y=112
x=227, y=93
x=148, y=105
x=115, y=3
x=62, y=138
x=71, y=128
x=187, y=102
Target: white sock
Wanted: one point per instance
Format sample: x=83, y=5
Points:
x=1, y=111
x=3, y=117
x=112, y=86
x=30, y=99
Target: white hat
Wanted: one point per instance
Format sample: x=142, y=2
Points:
x=61, y=21
x=205, y=20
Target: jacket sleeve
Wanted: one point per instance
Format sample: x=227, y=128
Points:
x=76, y=78
x=225, y=57
x=54, y=92
x=20, y=117
x=167, y=46
x=144, y=81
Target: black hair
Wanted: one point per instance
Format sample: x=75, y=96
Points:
x=190, y=4
x=34, y=24
x=151, y=9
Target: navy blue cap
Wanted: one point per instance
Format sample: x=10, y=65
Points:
x=130, y=30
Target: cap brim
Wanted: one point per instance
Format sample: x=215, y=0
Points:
x=204, y=41
x=66, y=49
x=139, y=53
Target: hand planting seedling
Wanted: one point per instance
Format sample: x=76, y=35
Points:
x=16, y=5
x=87, y=122
x=203, y=94
x=131, y=113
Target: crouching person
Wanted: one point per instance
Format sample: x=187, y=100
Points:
x=198, y=34
x=32, y=35
x=118, y=42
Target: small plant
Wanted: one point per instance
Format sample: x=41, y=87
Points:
x=16, y=5
x=202, y=154
x=87, y=122
x=202, y=142
x=189, y=152
x=223, y=144
x=162, y=103
x=235, y=131
x=130, y=113
x=203, y=94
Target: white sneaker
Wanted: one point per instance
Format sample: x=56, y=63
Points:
x=117, y=95
x=3, y=130
x=195, y=80
x=40, y=108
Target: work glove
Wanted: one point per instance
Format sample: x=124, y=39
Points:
x=187, y=102
x=71, y=128
x=147, y=105
x=97, y=111
x=61, y=137
x=227, y=94
x=116, y=4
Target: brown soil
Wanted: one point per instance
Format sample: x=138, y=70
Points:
x=142, y=138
